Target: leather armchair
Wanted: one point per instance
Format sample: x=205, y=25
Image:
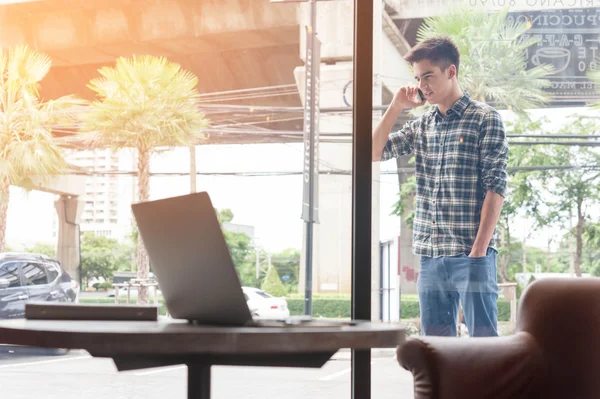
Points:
x=555, y=352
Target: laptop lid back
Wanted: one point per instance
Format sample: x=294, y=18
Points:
x=191, y=260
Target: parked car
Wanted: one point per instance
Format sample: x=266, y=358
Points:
x=264, y=305
x=32, y=277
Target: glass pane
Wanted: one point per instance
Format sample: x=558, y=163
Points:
x=34, y=274
x=535, y=64
x=52, y=273
x=9, y=272
x=249, y=66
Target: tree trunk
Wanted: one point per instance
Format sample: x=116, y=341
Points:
x=4, y=199
x=524, y=250
x=143, y=189
x=192, y=169
x=505, y=258
x=548, y=256
x=579, y=237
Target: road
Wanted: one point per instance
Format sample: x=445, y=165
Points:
x=77, y=375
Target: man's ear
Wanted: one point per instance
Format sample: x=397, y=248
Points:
x=452, y=71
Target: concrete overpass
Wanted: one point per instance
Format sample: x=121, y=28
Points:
x=227, y=44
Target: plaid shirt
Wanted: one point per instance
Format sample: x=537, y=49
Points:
x=458, y=158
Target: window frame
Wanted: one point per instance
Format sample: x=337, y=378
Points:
x=42, y=265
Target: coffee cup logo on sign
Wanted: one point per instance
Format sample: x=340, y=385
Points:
x=557, y=56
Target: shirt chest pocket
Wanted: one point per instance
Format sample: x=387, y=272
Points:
x=462, y=148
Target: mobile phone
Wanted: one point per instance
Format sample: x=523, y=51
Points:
x=420, y=96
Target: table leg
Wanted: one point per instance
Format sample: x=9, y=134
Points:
x=198, y=381
x=361, y=374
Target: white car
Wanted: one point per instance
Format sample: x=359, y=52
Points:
x=264, y=305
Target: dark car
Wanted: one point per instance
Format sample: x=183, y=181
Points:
x=28, y=277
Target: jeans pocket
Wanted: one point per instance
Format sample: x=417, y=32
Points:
x=489, y=254
x=477, y=259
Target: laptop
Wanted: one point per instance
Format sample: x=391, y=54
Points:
x=193, y=266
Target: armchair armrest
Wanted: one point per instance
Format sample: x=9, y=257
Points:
x=484, y=368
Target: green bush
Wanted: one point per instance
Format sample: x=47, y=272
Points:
x=273, y=284
x=298, y=295
x=329, y=308
x=409, y=309
x=503, y=310
x=332, y=307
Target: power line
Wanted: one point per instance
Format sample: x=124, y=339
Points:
x=555, y=136
x=254, y=89
x=571, y=143
x=332, y=172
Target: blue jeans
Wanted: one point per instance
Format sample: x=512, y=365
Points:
x=443, y=281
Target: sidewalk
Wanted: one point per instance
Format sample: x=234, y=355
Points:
x=345, y=353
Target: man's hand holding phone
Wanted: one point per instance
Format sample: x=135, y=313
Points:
x=407, y=97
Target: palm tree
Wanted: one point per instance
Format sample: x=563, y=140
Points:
x=144, y=102
x=493, y=69
x=493, y=52
x=27, y=148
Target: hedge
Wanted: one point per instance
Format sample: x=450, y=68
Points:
x=329, y=307
x=332, y=307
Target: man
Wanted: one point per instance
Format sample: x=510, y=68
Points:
x=461, y=152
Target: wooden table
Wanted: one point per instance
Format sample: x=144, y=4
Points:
x=142, y=344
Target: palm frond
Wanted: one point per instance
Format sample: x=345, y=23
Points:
x=27, y=146
x=144, y=102
x=493, y=56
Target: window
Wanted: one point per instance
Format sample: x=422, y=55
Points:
x=10, y=272
x=34, y=274
x=53, y=273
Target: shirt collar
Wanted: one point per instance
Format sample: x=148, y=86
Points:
x=459, y=107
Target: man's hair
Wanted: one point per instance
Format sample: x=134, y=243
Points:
x=440, y=50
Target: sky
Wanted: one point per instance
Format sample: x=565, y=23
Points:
x=271, y=204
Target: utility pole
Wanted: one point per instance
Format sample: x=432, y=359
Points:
x=311, y=137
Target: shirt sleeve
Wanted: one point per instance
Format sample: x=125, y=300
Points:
x=401, y=142
x=493, y=152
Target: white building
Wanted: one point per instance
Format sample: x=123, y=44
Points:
x=106, y=211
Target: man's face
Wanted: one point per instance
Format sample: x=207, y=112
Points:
x=435, y=84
